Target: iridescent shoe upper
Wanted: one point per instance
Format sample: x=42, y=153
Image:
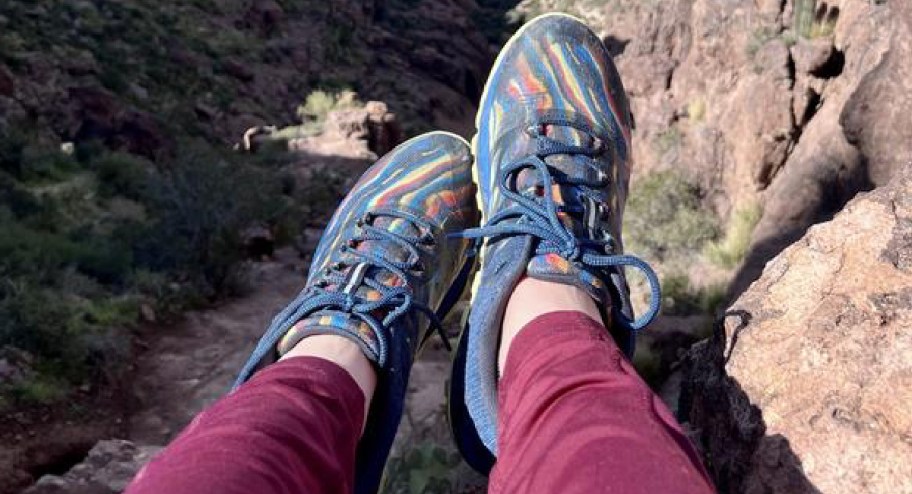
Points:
x=553, y=165
x=388, y=267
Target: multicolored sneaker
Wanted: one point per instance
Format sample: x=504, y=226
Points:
x=388, y=269
x=552, y=165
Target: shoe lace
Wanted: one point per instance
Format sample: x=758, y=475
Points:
x=538, y=215
x=337, y=287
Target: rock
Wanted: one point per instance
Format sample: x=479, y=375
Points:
x=140, y=133
x=883, y=99
x=811, y=56
x=99, y=114
x=237, y=69
x=7, y=84
x=361, y=132
x=147, y=313
x=16, y=366
x=805, y=387
x=258, y=241
x=383, y=129
x=108, y=469
x=825, y=168
x=204, y=111
x=265, y=15
x=139, y=91
x=81, y=63
x=306, y=243
x=8, y=372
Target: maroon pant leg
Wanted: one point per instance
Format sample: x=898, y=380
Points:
x=293, y=428
x=576, y=418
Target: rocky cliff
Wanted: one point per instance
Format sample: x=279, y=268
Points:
x=792, y=105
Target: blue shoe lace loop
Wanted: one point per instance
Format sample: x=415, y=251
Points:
x=337, y=287
x=538, y=215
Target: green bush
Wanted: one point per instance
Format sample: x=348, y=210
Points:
x=199, y=210
x=424, y=468
x=664, y=218
x=681, y=298
x=121, y=174
x=319, y=103
x=730, y=251
x=81, y=251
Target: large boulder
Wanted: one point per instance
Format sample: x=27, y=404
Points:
x=806, y=386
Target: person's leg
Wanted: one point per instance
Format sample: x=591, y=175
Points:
x=323, y=418
x=293, y=428
x=575, y=417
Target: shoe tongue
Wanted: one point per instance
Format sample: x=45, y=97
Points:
x=568, y=135
x=386, y=249
x=554, y=268
x=336, y=321
x=575, y=167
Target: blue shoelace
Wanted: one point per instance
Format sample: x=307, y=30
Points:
x=538, y=215
x=336, y=289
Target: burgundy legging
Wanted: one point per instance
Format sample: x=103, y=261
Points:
x=575, y=418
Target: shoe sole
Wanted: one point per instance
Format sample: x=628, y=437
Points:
x=472, y=448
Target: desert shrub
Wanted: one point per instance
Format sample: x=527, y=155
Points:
x=680, y=297
x=25, y=159
x=121, y=174
x=319, y=103
x=80, y=252
x=40, y=389
x=17, y=200
x=664, y=217
x=318, y=194
x=730, y=251
x=424, y=468
x=199, y=207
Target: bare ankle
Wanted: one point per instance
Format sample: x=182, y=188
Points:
x=346, y=354
x=532, y=298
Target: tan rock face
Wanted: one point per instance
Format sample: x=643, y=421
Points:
x=755, y=110
x=807, y=387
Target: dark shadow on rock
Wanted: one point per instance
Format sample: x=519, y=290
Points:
x=739, y=454
x=816, y=196
x=615, y=46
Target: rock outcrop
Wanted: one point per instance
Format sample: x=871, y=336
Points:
x=366, y=132
x=806, y=386
x=792, y=105
x=107, y=469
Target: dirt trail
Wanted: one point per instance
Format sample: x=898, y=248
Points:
x=191, y=364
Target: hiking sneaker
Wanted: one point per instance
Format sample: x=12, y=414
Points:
x=552, y=156
x=387, y=270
